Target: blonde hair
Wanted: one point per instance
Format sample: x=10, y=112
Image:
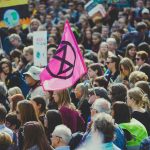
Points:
x=127, y=64
x=14, y=90
x=137, y=76
x=102, y=55
x=138, y=95
x=28, y=49
x=84, y=90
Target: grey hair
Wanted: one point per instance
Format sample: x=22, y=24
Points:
x=102, y=105
x=64, y=132
x=14, y=36
x=112, y=40
x=3, y=89
x=84, y=89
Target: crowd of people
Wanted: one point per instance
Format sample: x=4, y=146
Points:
x=107, y=109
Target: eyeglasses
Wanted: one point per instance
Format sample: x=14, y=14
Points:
x=137, y=59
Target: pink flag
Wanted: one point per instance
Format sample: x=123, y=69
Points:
x=66, y=66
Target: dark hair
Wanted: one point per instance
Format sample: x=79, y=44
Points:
x=12, y=119
x=102, y=81
x=53, y=119
x=143, y=55
x=140, y=26
x=3, y=113
x=5, y=61
x=118, y=92
x=15, y=53
x=35, y=130
x=96, y=66
x=40, y=101
x=116, y=60
x=91, y=56
x=121, y=112
x=144, y=47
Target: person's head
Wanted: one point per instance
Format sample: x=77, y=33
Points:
x=28, y=53
x=141, y=27
x=14, y=90
x=100, y=82
x=140, y=3
x=35, y=130
x=15, y=39
x=61, y=136
x=39, y=104
x=144, y=47
x=82, y=49
x=3, y=113
x=112, y=44
x=100, y=105
x=121, y=112
x=141, y=58
x=26, y=112
x=103, y=52
x=144, y=85
x=112, y=62
x=105, y=31
x=122, y=22
x=117, y=92
x=50, y=53
x=15, y=55
x=104, y=125
x=32, y=76
x=136, y=97
x=14, y=100
x=81, y=91
x=96, y=38
x=53, y=118
x=97, y=92
x=94, y=70
x=5, y=66
x=136, y=76
x=5, y=141
x=12, y=122
x=35, y=23
x=126, y=66
x=62, y=97
x=130, y=51
x=88, y=34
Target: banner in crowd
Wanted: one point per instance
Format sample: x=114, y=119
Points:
x=40, y=48
x=95, y=10
x=13, y=13
x=66, y=66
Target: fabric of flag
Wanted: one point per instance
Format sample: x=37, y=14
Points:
x=13, y=13
x=66, y=66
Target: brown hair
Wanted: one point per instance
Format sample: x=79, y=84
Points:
x=5, y=140
x=143, y=55
x=27, y=111
x=35, y=130
x=138, y=96
x=64, y=97
x=15, y=99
